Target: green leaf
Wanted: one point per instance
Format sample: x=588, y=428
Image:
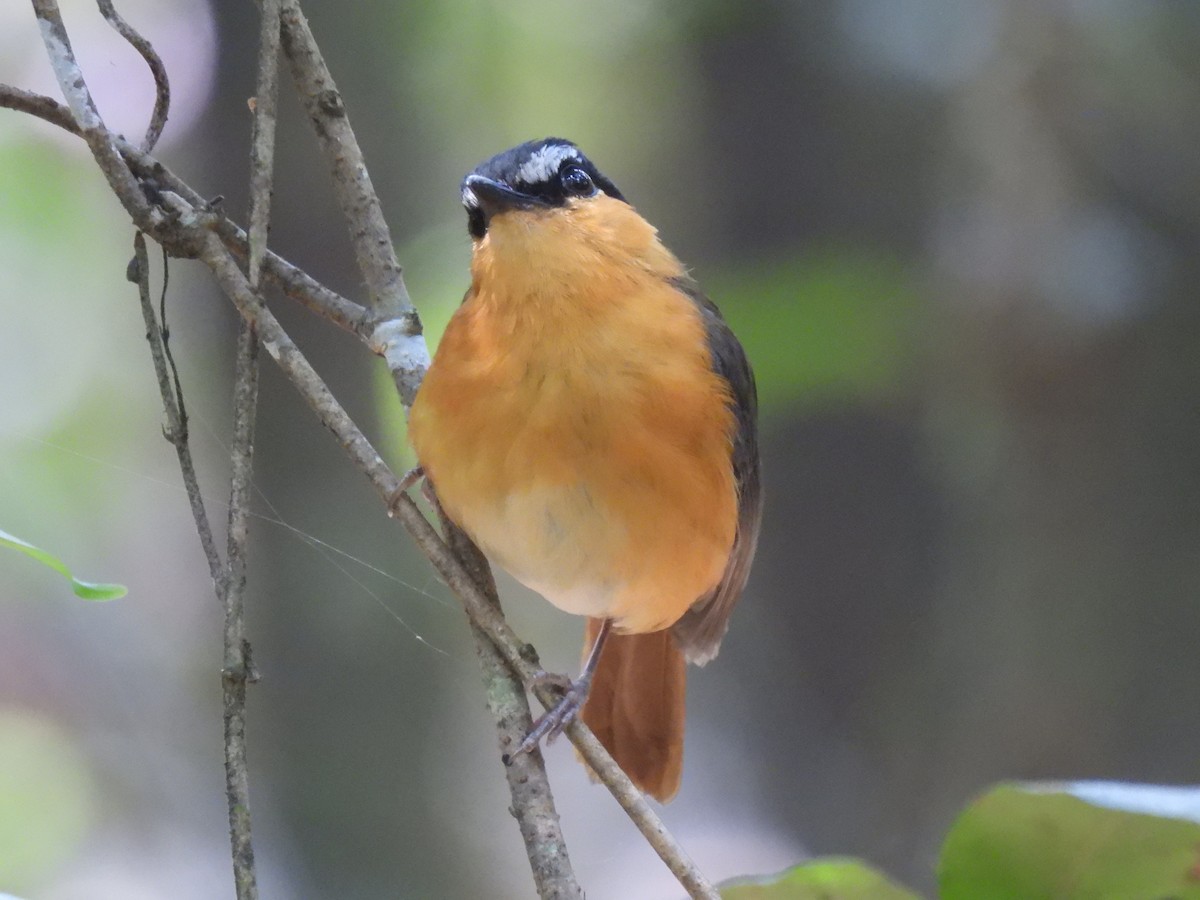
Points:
x=1098, y=840
x=835, y=878
x=85, y=590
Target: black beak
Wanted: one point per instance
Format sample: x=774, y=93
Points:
x=493, y=197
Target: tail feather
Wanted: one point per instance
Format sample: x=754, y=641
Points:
x=636, y=707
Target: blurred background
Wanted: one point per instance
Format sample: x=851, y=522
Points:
x=959, y=241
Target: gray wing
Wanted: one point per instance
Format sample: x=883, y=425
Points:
x=698, y=633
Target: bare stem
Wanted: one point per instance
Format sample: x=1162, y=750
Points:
x=87, y=118
x=238, y=670
x=262, y=142
x=401, y=341
x=162, y=86
x=176, y=430
x=295, y=283
x=533, y=802
x=38, y=105
x=634, y=802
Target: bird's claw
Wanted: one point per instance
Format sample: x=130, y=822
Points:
x=554, y=720
x=411, y=477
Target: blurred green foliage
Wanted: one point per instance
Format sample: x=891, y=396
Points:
x=36, y=194
x=822, y=879
x=1050, y=845
x=46, y=798
x=505, y=72
x=823, y=328
x=1056, y=842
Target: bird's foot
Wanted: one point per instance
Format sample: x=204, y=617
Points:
x=551, y=723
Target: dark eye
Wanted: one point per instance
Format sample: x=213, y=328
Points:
x=576, y=181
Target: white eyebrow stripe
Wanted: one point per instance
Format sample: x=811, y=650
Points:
x=543, y=164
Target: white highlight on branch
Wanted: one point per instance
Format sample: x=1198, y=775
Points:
x=404, y=352
x=70, y=77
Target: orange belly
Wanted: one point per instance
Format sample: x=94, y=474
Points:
x=583, y=441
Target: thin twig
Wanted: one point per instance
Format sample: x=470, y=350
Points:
x=295, y=283
x=238, y=669
x=38, y=105
x=87, y=117
x=164, y=330
x=162, y=86
x=90, y=126
x=400, y=340
x=139, y=272
x=533, y=800
x=262, y=141
x=351, y=182
x=634, y=802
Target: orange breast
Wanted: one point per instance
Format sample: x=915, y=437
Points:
x=571, y=421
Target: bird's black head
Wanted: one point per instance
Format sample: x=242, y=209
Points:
x=546, y=173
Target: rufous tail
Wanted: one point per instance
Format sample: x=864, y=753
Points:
x=636, y=706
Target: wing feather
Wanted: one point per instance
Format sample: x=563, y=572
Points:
x=700, y=630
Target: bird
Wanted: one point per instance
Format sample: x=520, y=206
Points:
x=590, y=421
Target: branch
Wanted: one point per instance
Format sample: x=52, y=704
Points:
x=176, y=431
x=262, y=142
x=533, y=802
x=399, y=340
x=38, y=105
x=238, y=670
x=87, y=119
x=162, y=86
x=295, y=283
x=634, y=802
